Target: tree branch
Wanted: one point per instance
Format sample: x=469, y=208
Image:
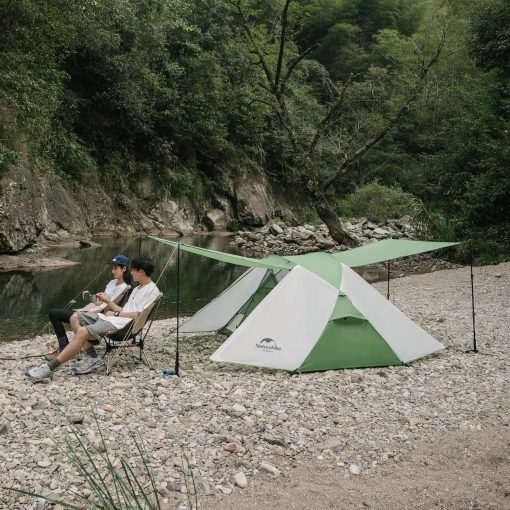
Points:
x=348, y=161
x=335, y=107
x=281, y=49
x=255, y=48
x=281, y=111
x=293, y=65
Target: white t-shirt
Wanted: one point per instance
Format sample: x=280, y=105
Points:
x=139, y=300
x=113, y=291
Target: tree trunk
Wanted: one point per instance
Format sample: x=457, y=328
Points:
x=328, y=216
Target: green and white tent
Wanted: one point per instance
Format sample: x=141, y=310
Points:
x=312, y=312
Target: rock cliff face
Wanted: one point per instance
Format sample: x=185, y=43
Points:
x=21, y=211
x=254, y=204
x=34, y=210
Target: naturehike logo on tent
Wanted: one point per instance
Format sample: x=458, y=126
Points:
x=268, y=344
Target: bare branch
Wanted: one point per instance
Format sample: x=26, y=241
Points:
x=332, y=85
x=263, y=101
x=335, y=108
x=283, y=36
x=255, y=47
x=347, y=163
x=293, y=66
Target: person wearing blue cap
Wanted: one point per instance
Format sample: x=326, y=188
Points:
x=91, y=327
x=114, y=288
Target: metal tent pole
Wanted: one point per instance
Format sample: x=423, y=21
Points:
x=474, y=349
x=177, y=306
x=388, y=290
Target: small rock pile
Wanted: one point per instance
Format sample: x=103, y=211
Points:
x=279, y=239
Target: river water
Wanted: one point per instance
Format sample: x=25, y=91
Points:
x=26, y=297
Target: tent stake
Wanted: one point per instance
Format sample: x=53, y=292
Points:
x=388, y=291
x=178, y=301
x=474, y=349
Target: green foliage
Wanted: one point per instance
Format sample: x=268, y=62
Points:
x=169, y=91
x=430, y=224
x=377, y=202
x=71, y=156
x=350, y=31
x=490, y=41
x=93, y=82
x=8, y=156
x=313, y=218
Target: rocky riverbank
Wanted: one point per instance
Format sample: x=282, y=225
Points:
x=242, y=427
x=279, y=239
x=32, y=261
x=39, y=257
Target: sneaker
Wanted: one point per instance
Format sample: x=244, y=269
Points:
x=87, y=365
x=52, y=355
x=37, y=374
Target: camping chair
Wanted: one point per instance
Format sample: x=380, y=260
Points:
x=119, y=300
x=131, y=336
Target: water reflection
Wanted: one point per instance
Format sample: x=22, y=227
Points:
x=27, y=297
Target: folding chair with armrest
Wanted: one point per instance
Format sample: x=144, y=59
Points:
x=131, y=336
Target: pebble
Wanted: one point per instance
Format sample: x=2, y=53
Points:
x=76, y=419
x=335, y=445
x=269, y=468
x=218, y=421
x=4, y=428
x=273, y=440
x=238, y=410
x=280, y=239
x=234, y=448
x=240, y=480
x=354, y=469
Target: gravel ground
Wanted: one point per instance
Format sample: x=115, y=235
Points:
x=433, y=435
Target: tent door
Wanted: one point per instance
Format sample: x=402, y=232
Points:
x=234, y=323
x=267, y=284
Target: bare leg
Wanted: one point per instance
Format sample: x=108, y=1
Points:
x=74, y=322
x=87, y=345
x=79, y=340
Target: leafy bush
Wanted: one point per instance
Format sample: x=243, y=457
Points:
x=377, y=202
x=8, y=157
x=430, y=224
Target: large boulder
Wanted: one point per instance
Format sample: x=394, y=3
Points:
x=62, y=210
x=216, y=219
x=254, y=204
x=22, y=209
x=169, y=215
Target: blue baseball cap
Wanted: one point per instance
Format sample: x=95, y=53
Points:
x=119, y=260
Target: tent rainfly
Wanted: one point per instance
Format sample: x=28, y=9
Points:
x=312, y=312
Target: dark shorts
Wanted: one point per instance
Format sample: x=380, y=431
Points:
x=96, y=326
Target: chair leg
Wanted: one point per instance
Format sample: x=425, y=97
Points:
x=111, y=359
x=145, y=358
x=113, y=351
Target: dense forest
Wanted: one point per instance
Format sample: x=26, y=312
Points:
x=326, y=97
